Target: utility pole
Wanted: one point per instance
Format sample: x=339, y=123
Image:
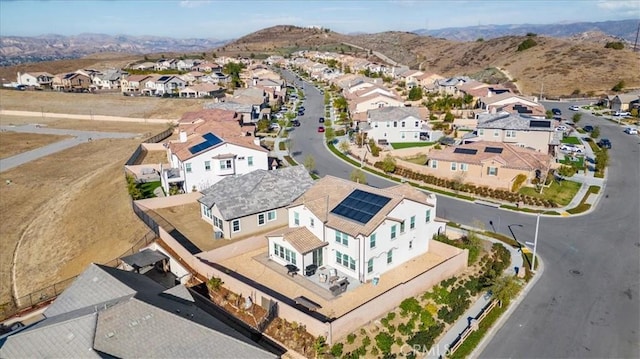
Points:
x=541, y=88
x=535, y=245
x=635, y=45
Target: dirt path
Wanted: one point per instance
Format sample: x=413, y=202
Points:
x=508, y=75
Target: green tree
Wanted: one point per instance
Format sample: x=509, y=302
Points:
x=320, y=346
x=619, y=86
x=616, y=45
x=448, y=117
x=596, y=132
x=576, y=117
x=344, y=146
x=504, y=289
x=263, y=125
x=310, y=163
x=358, y=176
x=329, y=134
x=336, y=350
x=415, y=93
x=527, y=44
x=389, y=164
x=384, y=341
x=548, y=114
x=133, y=188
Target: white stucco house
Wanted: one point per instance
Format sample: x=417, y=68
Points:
x=35, y=79
x=398, y=124
x=359, y=230
x=208, y=151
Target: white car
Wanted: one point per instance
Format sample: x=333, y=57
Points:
x=620, y=113
x=562, y=128
x=571, y=148
x=631, y=131
x=574, y=108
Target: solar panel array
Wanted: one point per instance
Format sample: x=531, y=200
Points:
x=493, y=149
x=540, y=124
x=360, y=206
x=164, y=78
x=466, y=151
x=210, y=141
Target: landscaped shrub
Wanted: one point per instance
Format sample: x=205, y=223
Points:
x=426, y=338
x=410, y=305
x=336, y=350
x=366, y=341
x=351, y=338
x=520, y=178
x=384, y=341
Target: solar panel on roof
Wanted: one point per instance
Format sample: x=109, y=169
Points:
x=360, y=206
x=466, y=151
x=210, y=141
x=540, y=124
x=164, y=78
x=493, y=149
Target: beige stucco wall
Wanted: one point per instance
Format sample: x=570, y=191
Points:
x=477, y=174
x=249, y=224
x=535, y=139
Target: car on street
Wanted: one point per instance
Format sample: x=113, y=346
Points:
x=574, y=108
x=604, y=143
x=321, y=129
x=588, y=128
x=622, y=113
x=295, y=123
x=567, y=147
x=321, y=120
x=556, y=111
x=631, y=131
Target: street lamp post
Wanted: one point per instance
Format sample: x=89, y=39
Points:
x=535, y=244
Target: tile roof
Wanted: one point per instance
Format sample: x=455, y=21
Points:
x=136, y=78
x=154, y=322
x=511, y=157
x=491, y=99
x=231, y=106
x=300, y=238
x=393, y=113
x=242, y=195
x=508, y=121
x=329, y=191
x=358, y=100
x=215, y=114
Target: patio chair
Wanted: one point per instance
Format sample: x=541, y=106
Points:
x=333, y=275
x=322, y=277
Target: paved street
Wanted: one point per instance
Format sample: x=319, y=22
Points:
x=586, y=303
x=79, y=137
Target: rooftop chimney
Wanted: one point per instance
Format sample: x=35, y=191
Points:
x=183, y=137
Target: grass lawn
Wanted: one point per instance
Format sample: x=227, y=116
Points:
x=560, y=192
x=148, y=188
x=400, y=145
x=571, y=140
x=578, y=163
x=419, y=160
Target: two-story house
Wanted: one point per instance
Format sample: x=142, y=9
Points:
x=398, y=124
x=242, y=205
x=35, y=79
x=133, y=83
x=360, y=230
x=516, y=129
x=209, y=150
x=169, y=84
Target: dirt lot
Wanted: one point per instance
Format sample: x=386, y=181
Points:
x=86, y=125
x=66, y=210
x=186, y=219
x=98, y=104
x=13, y=143
x=154, y=157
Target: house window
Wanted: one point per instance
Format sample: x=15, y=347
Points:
x=492, y=171
x=207, y=211
x=412, y=222
x=296, y=218
x=217, y=222
x=375, y=125
x=511, y=133
x=271, y=216
x=434, y=163
x=312, y=222
x=235, y=226
x=453, y=166
x=284, y=253
x=464, y=167
x=385, y=134
x=395, y=123
x=342, y=238
x=410, y=244
x=417, y=124
x=415, y=135
x=345, y=260
x=187, y=167
x=481, y=132
x=402, y=135
x=393, y=231
x=427, y=216
x=250, y=161
x=496, y=133
x=402, y=227
x=207, y=165
x=390, y=256
x=402, y=124
x=370, y=265
x=388, y=124
x=261, y=219
x=372, y=241
x=225, y=165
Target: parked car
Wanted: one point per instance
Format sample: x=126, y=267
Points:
x=574, y=108
x=321, y=129
x=566, y=147
x=604, y=143
x=588, y=128
x=295, y=123
x=321, y=120
x=622, y=113
x=556, y=111
x=562, y=128
x=631, y=131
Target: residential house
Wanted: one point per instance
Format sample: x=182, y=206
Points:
x=108, y=80
x=375, y=100
x=257, y=201
x=217, y=78
x=207, y=67
x=428, y=81
x=133, y=83
x=209, y=150
x=145, y=66
x=398, y=124
x=492, y=102
x=248, y=112
x=205, y=90
x=450, y=85
x=169, y=84
x=477, y=89
x=113, y=313
x=253, y=96
x=625, y=102
x=35, y=79
x=186, y=64
x=165, y=64
x=361, y=230
x=411, y=78
x=519, y=130
x=193, y=77
x=277, y=85
x=493, y=164
x=76, y=82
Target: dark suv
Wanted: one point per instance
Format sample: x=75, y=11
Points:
x=556, y=111
x=604, y=143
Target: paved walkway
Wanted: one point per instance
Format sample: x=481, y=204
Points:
x=79, y=137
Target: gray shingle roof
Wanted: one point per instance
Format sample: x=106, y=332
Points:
x=257, y=191
x=144, y=258
x=233, y=106
x=393, y=113
x=508, y=121
x=153, y=322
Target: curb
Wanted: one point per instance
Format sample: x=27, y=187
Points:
x=507, y=314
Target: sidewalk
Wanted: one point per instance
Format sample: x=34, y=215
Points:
x=442, y=346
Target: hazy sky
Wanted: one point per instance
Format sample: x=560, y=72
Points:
x=225, y=20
